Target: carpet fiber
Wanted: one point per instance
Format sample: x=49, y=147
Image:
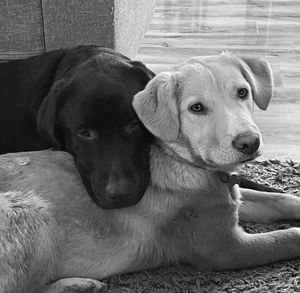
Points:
x=278, y=277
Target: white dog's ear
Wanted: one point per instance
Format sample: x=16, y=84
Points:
x=261, y=79
x=157, y=108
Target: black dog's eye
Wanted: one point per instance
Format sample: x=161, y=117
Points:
x=85, y=133
x=134, y=125
x=243, y=93
x=197, y=108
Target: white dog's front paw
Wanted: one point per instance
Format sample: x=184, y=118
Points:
x=75, y=285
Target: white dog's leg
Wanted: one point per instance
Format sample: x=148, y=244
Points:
x=258, y=206
x=242, y=250
x=27, y=243
x=70, y=285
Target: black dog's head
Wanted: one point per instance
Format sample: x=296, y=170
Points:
x=88, y=113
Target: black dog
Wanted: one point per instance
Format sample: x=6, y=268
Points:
x=79, y=100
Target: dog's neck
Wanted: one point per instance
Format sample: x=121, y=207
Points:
x=171, y=172
x=190, y=183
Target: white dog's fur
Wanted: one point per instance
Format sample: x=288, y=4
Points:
x=50, y=229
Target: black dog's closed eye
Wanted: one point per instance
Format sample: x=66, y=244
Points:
x=86, y=134
x=134, y=125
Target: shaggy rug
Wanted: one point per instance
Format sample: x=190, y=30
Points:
x=278, y=277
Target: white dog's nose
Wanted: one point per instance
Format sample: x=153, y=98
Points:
x=246, y=143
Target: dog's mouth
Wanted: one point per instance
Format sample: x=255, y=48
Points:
x=107, y=202
x=251, y=157
x=228, y=167
x=246, y=160
x=206, y=163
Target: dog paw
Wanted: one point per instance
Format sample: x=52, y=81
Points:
x=76, y=285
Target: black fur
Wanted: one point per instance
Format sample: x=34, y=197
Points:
x=57, y=99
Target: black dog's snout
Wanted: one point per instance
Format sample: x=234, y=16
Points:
x=246, y=143
x=120, y=189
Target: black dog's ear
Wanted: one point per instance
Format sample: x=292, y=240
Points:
x=38, y=74
x=143, y=73
x=47, y=115
x=32, y=77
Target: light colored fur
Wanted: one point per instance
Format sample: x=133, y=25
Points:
x=189, y=212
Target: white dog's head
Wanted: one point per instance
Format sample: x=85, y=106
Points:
x=202, y=109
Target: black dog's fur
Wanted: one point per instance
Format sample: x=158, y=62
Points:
x=79, y=100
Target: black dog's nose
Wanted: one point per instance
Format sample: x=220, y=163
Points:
x=246, y=143
x=120, y=189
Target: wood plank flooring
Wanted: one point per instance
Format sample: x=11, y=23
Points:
x=184, y=28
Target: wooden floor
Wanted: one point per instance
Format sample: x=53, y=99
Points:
x=185, y=28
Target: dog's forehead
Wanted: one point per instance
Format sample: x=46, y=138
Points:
x=207, y=74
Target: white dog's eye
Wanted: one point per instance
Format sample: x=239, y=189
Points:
x=243, y=93
x=197, y=108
